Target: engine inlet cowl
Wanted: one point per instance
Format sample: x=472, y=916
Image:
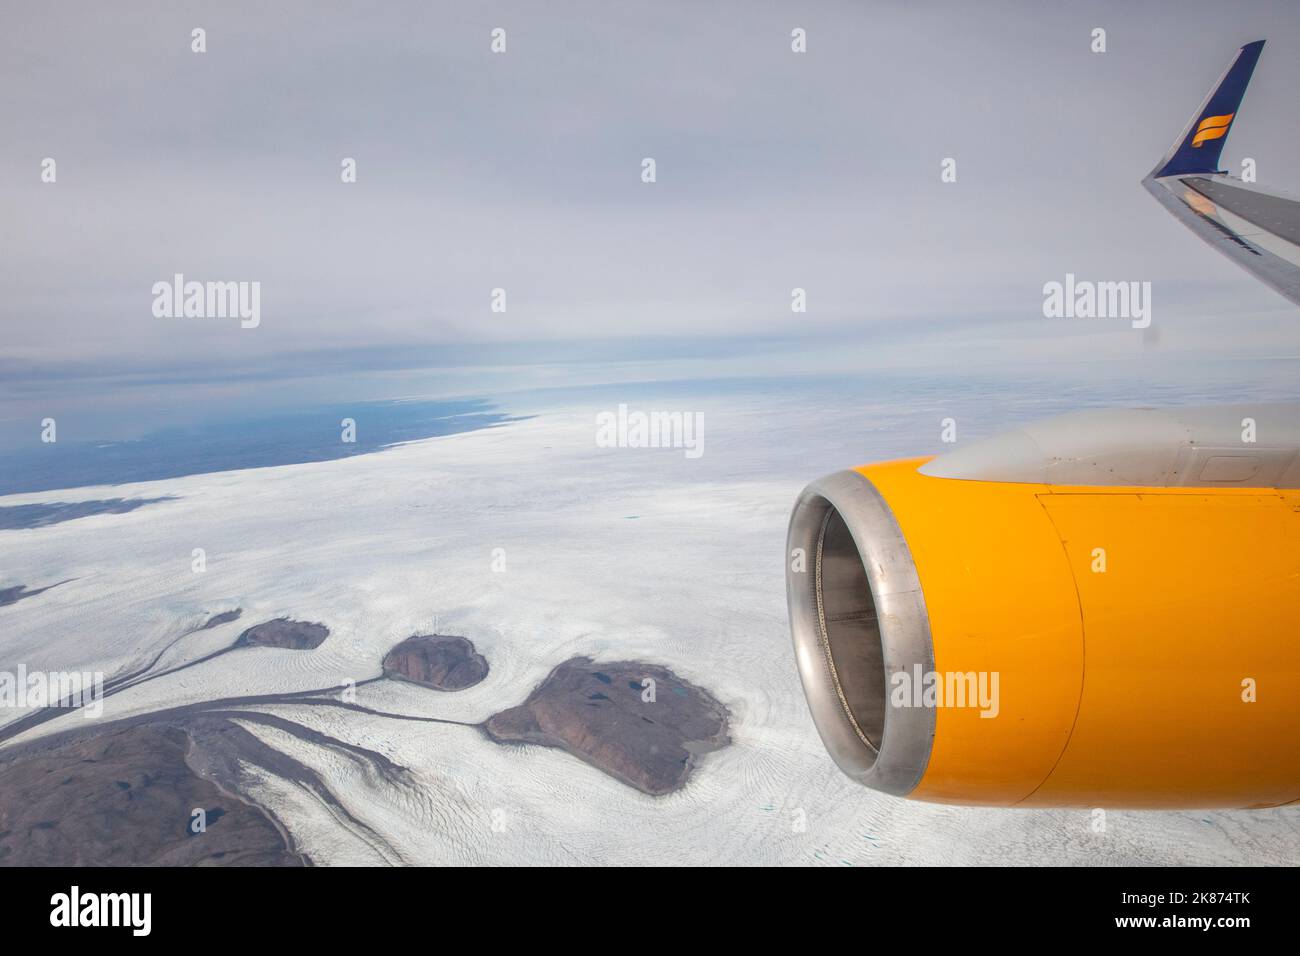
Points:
x=857, y=615
x=942, y=626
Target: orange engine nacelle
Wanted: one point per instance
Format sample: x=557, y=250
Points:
x=1013, y=643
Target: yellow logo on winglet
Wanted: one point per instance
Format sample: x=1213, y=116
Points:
x=1212, y=127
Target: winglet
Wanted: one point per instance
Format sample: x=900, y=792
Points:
x=1201, y=143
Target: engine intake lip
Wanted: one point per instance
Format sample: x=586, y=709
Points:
x=858, y=577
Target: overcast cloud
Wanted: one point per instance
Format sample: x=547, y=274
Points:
x=522, y=170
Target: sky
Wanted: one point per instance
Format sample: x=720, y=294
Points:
x=522, y=171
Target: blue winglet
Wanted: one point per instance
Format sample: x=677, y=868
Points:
x=1201, y=144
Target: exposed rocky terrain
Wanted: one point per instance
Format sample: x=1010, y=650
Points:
x=440, y=661
x=126, y=797
x=13, y=595
x=225, y=617
x=603, y=714
x=283, y=632
x=40, y=515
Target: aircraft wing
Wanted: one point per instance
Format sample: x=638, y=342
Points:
x=1257, y=228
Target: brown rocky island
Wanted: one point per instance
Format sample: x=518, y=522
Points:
x=283, y=632
x=603, y=714
x=440, y=661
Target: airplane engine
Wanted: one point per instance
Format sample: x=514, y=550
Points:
x=1102, y=610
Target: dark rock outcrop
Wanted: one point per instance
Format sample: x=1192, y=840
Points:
x=13, y=517
x=126, y=797
x=283, y=632
x=440, y=661
x=225, y=617
x=604, y=714
x=15, y=594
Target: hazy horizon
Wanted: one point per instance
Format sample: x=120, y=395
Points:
x=521, y=171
